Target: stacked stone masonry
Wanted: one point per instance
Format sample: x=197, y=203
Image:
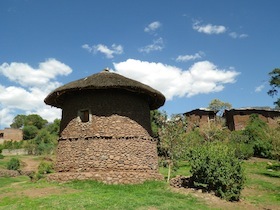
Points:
x=114, y=146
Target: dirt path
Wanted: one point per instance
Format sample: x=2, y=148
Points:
x=29, y=164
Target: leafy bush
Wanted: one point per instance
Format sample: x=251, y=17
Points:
x=29, y=132
x=13, y=164
x=240, y=143
x=214, y=167
x=45, y=167
x=258, y=133
x=1, y=156
x=262, y=148
x=43, y=143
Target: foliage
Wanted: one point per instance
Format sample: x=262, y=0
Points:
x=214, y=167
x=29, y=132
x=11, y=145
x=1, y=156
x=275, y=143
x=257, y=133
x=217, y=105
x=18, y=121
x=13, y=164
x=172, y=141
x=214, y=132
x=45, y=167
x=43, y=143
x=158, y=119
x=54, y=127
x=240, y=144
x=275, y=84
x=21, y=121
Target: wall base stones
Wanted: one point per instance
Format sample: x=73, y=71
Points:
x=109, y=159
x=109, y=177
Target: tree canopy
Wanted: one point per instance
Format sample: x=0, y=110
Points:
x=21, y=121
x=275, y=84
x=218, y=105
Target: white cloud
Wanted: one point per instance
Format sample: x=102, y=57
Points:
x=201, y=78
x=30, y=87
x=157, y=45
x=25, y=75
x=259, y=88
x=152, y=26
x=108, y=52
x=184, y=58
x=208, y=28
x=235, y=35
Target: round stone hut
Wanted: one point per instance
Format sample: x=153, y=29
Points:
x=105, y=131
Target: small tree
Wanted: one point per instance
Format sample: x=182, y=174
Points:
x=218, y=105
x=275, y=84
x=172, y=141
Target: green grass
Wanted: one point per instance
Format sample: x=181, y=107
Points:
x=183, y=169
x=94, y=195
x=262, y=183
x=262, y=188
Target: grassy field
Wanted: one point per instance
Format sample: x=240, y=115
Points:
x=262, y=191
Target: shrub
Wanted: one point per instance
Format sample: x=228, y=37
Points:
x=13, y=164
x=258, y=133
x=1, y=156
x=45, y=167
x=214, y=167
x=240, y=143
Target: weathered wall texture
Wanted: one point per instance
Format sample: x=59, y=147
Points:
x=199, y=118
x=238, y=119
x=114, y=146
x=113, y=113
x=11, y=134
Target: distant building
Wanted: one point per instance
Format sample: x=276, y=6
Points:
x=105, y=130
x=237, y=119
x=199, y=117
x=9, y=134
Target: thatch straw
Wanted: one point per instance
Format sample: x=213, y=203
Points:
x=105, y=80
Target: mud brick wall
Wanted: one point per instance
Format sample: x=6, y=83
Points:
x=11, y=134
x=112, y=113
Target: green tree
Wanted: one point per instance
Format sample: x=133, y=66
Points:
x=18, y=121
x=173, y=141
x=54, y=127
x=35, y=120
x=158, y=118
x=275, y=84
x=29, y=132
x=217, y=105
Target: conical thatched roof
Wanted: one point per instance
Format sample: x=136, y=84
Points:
x=105, y=80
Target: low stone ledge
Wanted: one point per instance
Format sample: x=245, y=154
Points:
x=107, y=177
x=9, y=173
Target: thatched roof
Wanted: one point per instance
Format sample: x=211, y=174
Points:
x=105, y=80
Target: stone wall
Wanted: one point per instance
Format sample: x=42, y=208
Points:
x=113, y=146
x=238, y=119
x=107, y=153
x=8, y=152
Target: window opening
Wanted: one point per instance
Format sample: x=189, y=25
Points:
x=84, y=115
x=1, y=135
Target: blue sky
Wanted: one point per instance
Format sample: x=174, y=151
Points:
x=192, y=51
